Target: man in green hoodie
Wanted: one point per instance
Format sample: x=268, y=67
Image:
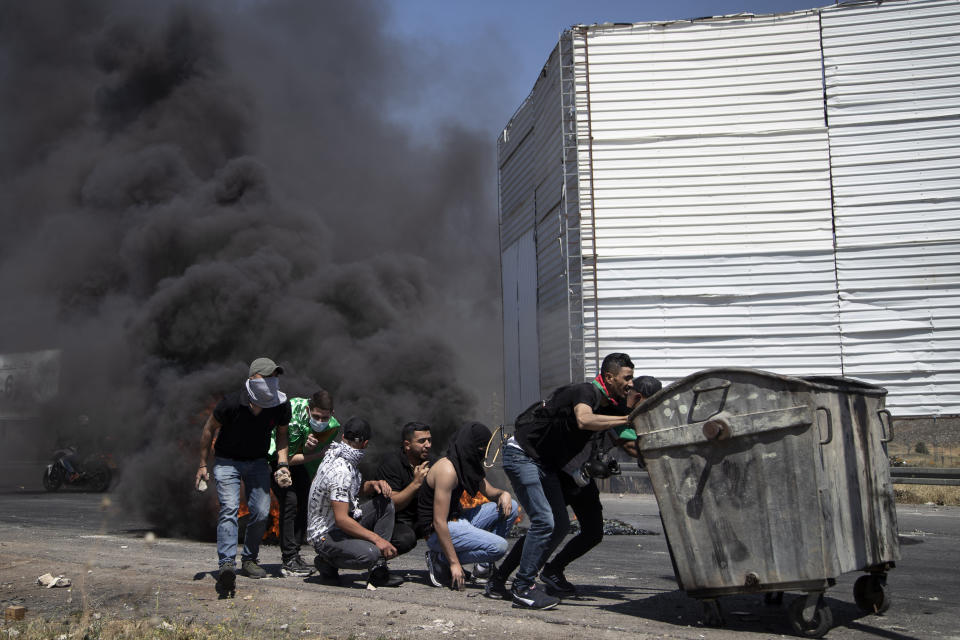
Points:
x=312, y=428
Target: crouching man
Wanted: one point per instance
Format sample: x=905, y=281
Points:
x=344, y=533
x=456, y=537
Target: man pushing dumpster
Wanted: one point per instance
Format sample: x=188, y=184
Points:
x=547, y=436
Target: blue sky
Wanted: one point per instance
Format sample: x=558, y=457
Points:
x=487, y=54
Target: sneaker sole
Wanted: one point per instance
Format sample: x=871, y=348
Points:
x=520, y=605
x=431, y=572
x=291, y=573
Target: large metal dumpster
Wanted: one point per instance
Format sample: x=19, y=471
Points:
x=770, y=483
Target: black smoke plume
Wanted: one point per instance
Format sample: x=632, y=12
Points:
x=184, y=190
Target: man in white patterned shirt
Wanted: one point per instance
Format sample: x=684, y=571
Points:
x=345, y=533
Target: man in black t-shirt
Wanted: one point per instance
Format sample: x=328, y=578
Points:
x=239, y=431
x=547, y=436
x=405, y=471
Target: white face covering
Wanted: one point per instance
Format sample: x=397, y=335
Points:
x=318, y=426
x=265, y=392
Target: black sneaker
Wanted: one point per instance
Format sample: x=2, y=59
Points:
x=380, y=576
x=438, y=571
x=496, y=588
x=533, y=598
x=227, y=578
x=326, y=571
x=296, y=568
x=251, y=569
x=556, y=582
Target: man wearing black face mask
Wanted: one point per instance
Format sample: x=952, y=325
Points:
x=455, y=536
x=312, y=429
x=242, y=423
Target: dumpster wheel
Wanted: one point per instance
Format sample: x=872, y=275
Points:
x=821, y=617
x=712, y=613
x=870, y=594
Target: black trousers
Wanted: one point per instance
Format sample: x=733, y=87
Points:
x=293, y=511
x=586, y=505
x=403, y=538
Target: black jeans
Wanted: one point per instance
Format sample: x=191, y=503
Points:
x=586, y=505
x=293, y=511
x=404, y=538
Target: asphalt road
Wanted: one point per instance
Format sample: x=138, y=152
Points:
x=627, y=582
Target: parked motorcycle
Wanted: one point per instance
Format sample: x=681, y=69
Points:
x=92, y=473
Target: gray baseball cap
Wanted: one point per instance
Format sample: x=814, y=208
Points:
x=265, y=367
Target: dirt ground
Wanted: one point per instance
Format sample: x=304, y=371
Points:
x=119, y=571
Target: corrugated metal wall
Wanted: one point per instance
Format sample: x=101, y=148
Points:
x=893, y=105
x=711, y=195
x=531, y=190
x=700, y=191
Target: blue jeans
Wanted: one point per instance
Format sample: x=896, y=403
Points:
x=541, y=495
x=255, y=475
x=479, y=535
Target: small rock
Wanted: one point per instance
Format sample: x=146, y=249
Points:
x=49, y=581
x=284, y=627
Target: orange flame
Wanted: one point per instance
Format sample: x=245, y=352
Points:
x=469, y=502
x=272, y=531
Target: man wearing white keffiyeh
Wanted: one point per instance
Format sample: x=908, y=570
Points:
x=345, y=533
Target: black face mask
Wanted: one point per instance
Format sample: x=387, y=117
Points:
x=466, y=452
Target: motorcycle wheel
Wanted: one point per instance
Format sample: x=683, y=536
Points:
x=52, y=478
x=98, y=476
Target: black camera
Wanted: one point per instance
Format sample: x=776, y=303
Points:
x=599, y=467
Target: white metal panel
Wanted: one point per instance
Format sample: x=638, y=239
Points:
x=531, y=191
x=707, y=191
x=529, y=149
x=521, y=362
x=893, y=99
x=552, y=302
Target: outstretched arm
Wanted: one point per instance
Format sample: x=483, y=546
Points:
x=590, y=421
x=445, y=479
